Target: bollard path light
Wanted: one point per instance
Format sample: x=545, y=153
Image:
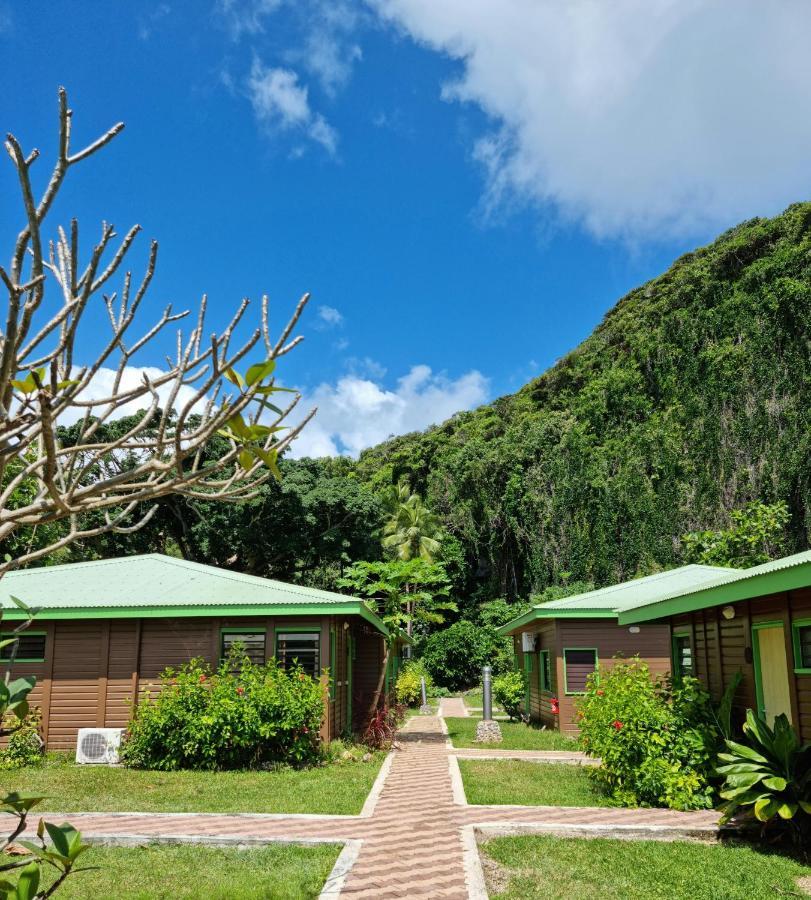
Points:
x=487, y=693
x=425, y=709
x=488, y=731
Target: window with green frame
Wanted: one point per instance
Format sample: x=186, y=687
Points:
x=682, y=654
x=299, y=646
x=252, y=640
x=30, y=647
x=545, y=672
x=801, y=638
x=578, y=664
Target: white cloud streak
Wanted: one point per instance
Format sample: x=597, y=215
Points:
x=330, y=316
x=358, y=412
x=636, y=118
x=280, y=103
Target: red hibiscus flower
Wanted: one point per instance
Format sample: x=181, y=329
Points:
x=617, y=724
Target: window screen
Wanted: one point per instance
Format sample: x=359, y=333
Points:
x=31, y=647
x=804, y=646
x=299, y=647
x=253, y=643
x=546, y=671
x=578, y=664
x=682, y=655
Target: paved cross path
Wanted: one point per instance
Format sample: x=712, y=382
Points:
x=415, y=836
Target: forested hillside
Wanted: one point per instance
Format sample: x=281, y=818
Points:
x=690, y=400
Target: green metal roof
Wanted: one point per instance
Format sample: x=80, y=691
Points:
x=786, y=574
x=154, y=585
x=609, y=602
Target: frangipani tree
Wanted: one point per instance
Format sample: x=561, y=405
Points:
x=211, y=384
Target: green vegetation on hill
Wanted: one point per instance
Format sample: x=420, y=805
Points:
x=689, y=400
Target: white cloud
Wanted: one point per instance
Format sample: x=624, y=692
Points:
x=281, y=103
x=637, y=118
x=101, y=387
x=246, y=17
x=359, y=412
x=330, y=316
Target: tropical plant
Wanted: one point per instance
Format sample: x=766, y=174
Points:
x=508, y=692
x=24, y=746
x=408, y=689
x=768, y=778
x=412, y=530
x=757, y=534
x=656, y=738
x=239, y=716
x=382, y=727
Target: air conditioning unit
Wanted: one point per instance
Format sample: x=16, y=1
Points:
x=529, y=641
x=98, y=746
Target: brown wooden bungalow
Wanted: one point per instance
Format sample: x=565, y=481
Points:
x=559, y=644
x=755, y=621
x=106, y=629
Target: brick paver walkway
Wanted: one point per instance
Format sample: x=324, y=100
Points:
x=414, y=841
x=452, y=707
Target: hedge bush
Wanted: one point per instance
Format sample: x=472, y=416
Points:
x=240, y=716
x=455, y=655
x=656, y=738
x=408, y=689
x=508, y=692
x=24, y=746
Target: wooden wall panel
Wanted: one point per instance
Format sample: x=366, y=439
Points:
x=368, y=660
x=172, y=642
x=122, y=661
x=75, y=697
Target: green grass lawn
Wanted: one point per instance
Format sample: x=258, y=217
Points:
x=539, y=866
x=338, y=788
x=283, y=871
x=475, y=700
x=517, y=736
x=529, y=784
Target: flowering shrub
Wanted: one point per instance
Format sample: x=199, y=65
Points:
x=237, y=717
x=408, y=689
x=24, y=746
x=508, y=692
x=656, y=739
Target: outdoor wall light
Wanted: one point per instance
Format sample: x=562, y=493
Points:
x=728, y=612
x=634, y=629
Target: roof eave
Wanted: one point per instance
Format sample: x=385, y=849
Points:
x=351, y=607
x=763, y=585
x=539, y=612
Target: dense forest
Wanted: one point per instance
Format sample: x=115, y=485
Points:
x=690, y=400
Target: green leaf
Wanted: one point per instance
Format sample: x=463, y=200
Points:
x=28, y=882
x=746, y=752
x=765, y=808
x=21, y=802
x=270, y=459
x=61, y=836
x=260, y=371
x=246, y=459
x=237, y=424
x=234, y=377
x=787, y=810
x=775, y=783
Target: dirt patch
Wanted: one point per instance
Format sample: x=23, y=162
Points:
x=804, y=884
x=496, y=876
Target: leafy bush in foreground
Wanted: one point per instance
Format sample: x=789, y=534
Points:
x=408, y=689
x=768, y=778
x=240, y=716
x=508, y=692
x=656, y=738
x=25, y=747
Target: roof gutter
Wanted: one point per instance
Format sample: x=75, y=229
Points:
x=542, y=612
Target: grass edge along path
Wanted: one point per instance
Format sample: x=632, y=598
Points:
x=516, y=736
x=338, y=788
x=187, y=872
x=519, y=782
x=527, y=867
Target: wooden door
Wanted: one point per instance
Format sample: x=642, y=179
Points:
x=773, y=692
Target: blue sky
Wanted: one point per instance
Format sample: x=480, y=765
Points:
x=465, y=187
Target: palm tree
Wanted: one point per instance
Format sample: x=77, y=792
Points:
x=412, y=530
